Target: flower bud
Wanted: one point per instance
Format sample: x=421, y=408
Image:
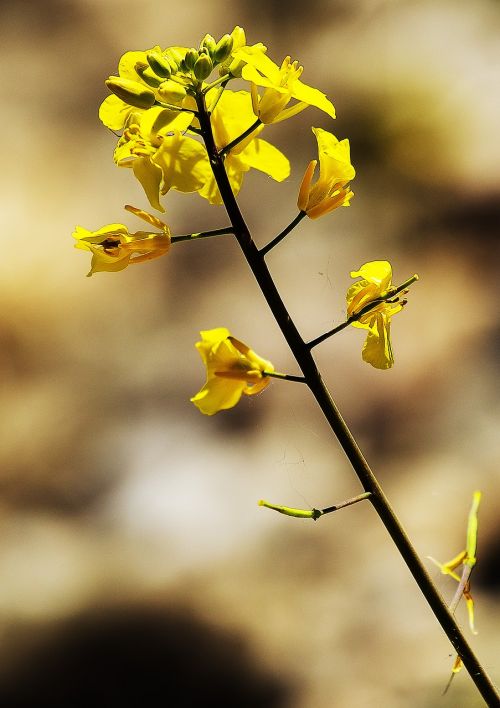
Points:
x=174, y=57
x=239, y=38
x=132, y=92
x=203, y=67
x=209, y=42
x=172, y=92
x=223, y=48
x=190, y=58
x=159, y=64
x=236, y=67
x=144, y=71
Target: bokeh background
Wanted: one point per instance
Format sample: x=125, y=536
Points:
x=136, y=567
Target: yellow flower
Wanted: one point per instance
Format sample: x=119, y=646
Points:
x=281, y=84
x=332, y=189
x=113, y=248
x=375, y=284
x=233, y=369
x=231, y=118
x=160, y=157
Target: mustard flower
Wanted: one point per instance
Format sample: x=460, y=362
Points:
x=281, y=84
x=233, y=369
x=113, y=248
x=230, y=119
x=332, y=189
x=375, y=284
x=160, y=157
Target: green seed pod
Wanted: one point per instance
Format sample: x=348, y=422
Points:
x=159, y=64
x=172, y=92
x=223, y=48
x=132, y=92
x=203, y=67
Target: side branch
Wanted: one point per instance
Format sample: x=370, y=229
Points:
x=282, y=235
x=203, y=234
x=226, y=150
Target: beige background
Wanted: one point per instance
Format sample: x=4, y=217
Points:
x=114, y=489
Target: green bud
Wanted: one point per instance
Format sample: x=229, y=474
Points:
x=235, y=68
x=209, y=43
x=172, y=92
x=132, y=92
x=223, y=48
x=203, y=67
x=238, y=35
x=159, y=64
x=174, y=57
x=144, y=71
x=190, y=58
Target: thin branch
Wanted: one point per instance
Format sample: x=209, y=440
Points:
x=286, y=377
x=282, y=235
x=226, y=150
x=203, y=234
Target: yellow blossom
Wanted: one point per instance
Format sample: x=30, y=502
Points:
x=281, y=84
x=232, y=116
x=375, y=287
x=113, y=248
x=332, y=188
x=160, y=157
x=233, y=369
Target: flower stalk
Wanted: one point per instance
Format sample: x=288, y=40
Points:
x=227, y=149
x=302, y=353
x=314, y=514
x=202, y=234
x=274, y=242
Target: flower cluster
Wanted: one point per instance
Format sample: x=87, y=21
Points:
x=176, y=119
x=155, y=102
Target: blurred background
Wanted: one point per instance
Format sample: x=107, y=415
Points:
x=136, y=567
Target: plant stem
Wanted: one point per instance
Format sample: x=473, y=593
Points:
x=202, y=234
x=287, y=377
x=347, y=502
x=282, y=235
x=306, y=362
x=226, y=150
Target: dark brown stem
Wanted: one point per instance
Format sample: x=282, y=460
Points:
x=365, y=475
